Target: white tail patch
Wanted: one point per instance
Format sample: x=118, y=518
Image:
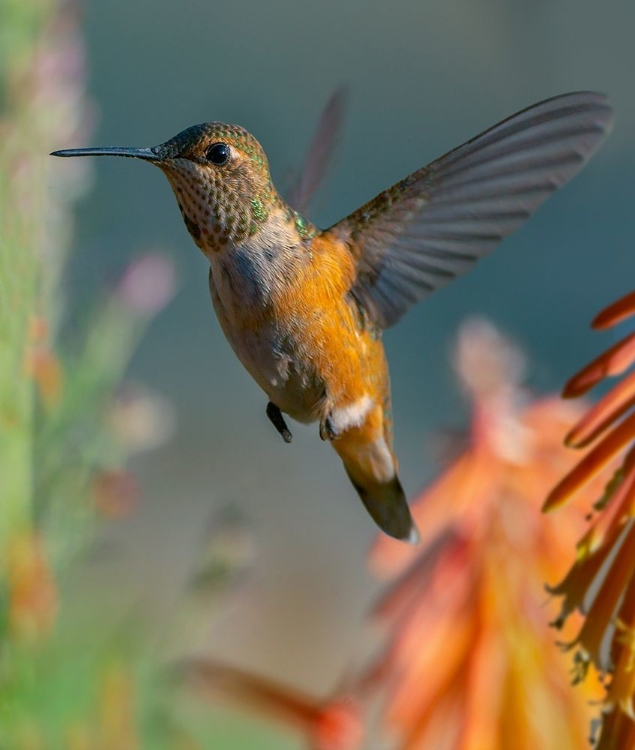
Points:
x=381, y=461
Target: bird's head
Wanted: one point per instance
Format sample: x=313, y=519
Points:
x=220, y=176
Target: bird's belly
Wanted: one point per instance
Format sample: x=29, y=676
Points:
x=276, y=363
x=271, y=352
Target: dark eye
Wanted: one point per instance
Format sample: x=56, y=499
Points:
x=218, y=153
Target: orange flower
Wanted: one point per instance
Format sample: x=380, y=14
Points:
x=33, y=598
x=601, y=583
x=471, y=663
x=334, y=724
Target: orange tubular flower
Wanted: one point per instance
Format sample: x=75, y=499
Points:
x=601, y=583
x=335, y=724
x=471, y=662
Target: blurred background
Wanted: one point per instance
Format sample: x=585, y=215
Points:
x=422, y=77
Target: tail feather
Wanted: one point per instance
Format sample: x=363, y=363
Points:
x=386, y=502
x=366, y=451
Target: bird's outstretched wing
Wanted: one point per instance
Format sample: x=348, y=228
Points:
x=432, y=226
x=320, y=154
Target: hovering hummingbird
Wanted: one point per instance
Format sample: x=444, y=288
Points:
x=304, y=308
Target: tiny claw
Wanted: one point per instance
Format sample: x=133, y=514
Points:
x=327, y=429
x=277, y=420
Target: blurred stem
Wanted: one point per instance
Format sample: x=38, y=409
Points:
x=22, y=176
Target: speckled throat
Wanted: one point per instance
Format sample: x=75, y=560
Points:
x=223, y=213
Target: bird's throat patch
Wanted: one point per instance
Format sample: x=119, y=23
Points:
x=192, y=227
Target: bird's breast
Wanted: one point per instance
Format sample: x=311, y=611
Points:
x=272, y=340
x=286, y=313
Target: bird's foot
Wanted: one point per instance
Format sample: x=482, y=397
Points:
x=277, y=420
x=328, y=430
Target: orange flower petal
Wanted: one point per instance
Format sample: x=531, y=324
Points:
x=622, y=686
x=607, y=411
x=576, y=584
x=334, y=725
x=615, y=313
x=436, y=721
x=485, y=685
x=616, y=513
x=625, y=621
x=215, y=678
x=603, y=610
x=427, y=675
x=388, y=557
x=591, y=464
x=338, y=726
x=612, y=362
x=618, y=732
x=446, y=556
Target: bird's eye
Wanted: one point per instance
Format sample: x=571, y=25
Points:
x=218, y=153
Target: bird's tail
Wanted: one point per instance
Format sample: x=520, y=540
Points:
x=388, y=508
x=371, y=469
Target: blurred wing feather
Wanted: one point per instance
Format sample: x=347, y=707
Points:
x=320, y=154
x=418, y=235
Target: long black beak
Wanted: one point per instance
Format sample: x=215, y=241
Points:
x=149, y=154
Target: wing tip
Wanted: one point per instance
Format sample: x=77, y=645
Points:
x=586, y=99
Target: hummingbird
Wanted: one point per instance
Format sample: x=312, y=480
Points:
x=304, y=308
